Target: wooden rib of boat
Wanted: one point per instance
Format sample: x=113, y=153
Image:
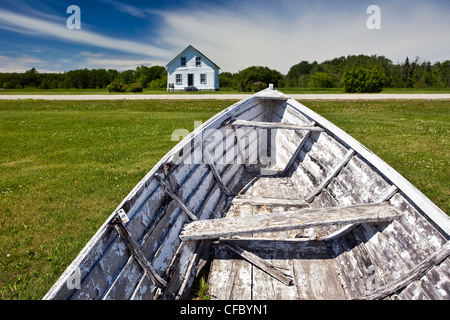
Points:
x=284, y=204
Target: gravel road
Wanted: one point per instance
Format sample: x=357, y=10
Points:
x=356, y=96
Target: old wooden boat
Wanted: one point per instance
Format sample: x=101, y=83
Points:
x=284, y=204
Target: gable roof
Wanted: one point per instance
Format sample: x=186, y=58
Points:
x=187, y=48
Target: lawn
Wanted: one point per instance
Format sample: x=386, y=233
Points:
x=66, y=165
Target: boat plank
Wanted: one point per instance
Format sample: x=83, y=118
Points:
x=131, y=273
x=347, y=268
x=271, y=202
x=138, y=255
x=172, y=194
x=171, y=240
x=217, y=228
x=435, y=285
x=389, y=264
x=256, y=111
x=157, y=236
x=330, y=176
x=296, y=152
x=303, y=178
x=178, y=273
x=258, y=262
x=216, y=173
x=348, y=189
x=412, y=292
x=374, y=183
x=177, y=270
x=416, y=273
x=99, y=278
x=317, y=280
x=277, y=188
x=325, y=150
x=417, y=223
x=293, y=115
x=272, y=125
x=317, y=156
x=230, y=276
x=265, y=287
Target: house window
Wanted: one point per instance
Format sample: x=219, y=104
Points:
x=178, y=77
x=198, y=62
x=183, y=61
x=203, y=78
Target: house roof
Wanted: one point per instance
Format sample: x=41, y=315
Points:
x=187, y=48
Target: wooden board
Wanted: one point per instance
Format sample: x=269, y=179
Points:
x=273, y=125
x=271, y=202
x=225, y=227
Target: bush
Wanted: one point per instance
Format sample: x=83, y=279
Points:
x=158, y=83
x=252, y=78
x=119, y=86
x=321, y=80
x=258, y=86
x=135, y=87
x=116, y=86
x=367, y=80
x=226, y=79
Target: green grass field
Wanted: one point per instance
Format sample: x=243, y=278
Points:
x=66, y=165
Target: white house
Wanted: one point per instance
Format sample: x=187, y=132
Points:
x=192, y=70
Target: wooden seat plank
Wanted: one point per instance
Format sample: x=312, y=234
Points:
x=299, y=219
x=272, y=125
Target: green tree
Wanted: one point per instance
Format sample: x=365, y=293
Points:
x=360, y=79
x=30, y=78
x=127, y=76
x=443, y=73
x=158, y=83
x=254, y=77
x=321, y=80
x=145, y=75
x=297, y=73
x=226, y=79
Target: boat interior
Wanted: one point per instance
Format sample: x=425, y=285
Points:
x=329, y=262
x=298, y=169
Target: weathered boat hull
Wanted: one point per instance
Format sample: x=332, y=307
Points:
x=270, y=156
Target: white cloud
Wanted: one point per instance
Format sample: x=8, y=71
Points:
x=131, y=10
x=34, y=26
x=19, y=64
x=281, y=35
x=119, y=64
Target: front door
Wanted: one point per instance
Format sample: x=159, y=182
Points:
x=190, y=79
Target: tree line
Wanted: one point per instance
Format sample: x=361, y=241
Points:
x=129, y=80
x=353, y=73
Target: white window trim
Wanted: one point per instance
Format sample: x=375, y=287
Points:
x=203, y=78
x=181, y=78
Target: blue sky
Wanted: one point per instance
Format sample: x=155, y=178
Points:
x=235, y=34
